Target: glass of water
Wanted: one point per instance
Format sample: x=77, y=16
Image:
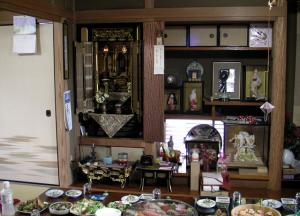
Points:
x=156, y=193
x=35, y=212
x=236, y=198
x=297, y=197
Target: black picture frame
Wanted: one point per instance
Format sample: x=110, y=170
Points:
x=172, y=104
x=65, y=51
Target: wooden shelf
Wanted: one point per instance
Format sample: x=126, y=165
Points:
x=236, y=176
x=193, y=116
x=228, y=48
x=115, y=142
x=231, y=103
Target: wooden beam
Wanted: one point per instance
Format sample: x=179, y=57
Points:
x=63, y=139
x=37, y=9
x=278, y=100
x=206, y=14
x=121, y=142
x=153, y=86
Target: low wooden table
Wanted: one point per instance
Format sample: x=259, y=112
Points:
x=156, y=171
x=99, y=170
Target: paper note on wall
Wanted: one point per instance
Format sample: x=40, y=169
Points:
x=68, y=111
x=24, y=25
x=24, y=44
x=159, y=59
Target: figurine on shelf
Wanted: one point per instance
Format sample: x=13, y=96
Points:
x=172, y=102
x=255, y=83
x=244, y=144
x=193, y=100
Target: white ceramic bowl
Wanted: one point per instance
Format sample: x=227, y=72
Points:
x=108, y=212
x=60, y=208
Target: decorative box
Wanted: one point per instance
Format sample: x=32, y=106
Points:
x=233, y=35
x=203, y=35
x=260, y=35
x=175, y=36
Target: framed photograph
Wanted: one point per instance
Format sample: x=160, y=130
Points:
x=192, y=96
x=172, y=100
x=256, y=82
x=226, y=80
x=66, y=51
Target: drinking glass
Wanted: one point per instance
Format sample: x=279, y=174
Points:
x=236, y=198
x=156, y=193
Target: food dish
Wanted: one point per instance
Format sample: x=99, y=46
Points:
x=252, y=209
x=206, y=203
x=160, y=207
x=60, y=208
x=54, y=193
x=271, y=203
x=129, y=199
x=73, y=193
x=86, y=207
x=108, y=211
x=118, y=205
x=29, y=205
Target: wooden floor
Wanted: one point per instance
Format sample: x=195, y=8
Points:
x=184, y=191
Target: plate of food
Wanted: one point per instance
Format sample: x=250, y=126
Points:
x=206, y=203
x=161, y=207
x=254, y=209
x=73, y=193
x=130, y=199
x=60, y=208
x=29, y=205
x=54, y=193
x=118, y=205
x=272, y=203
x=108, y=211
x=86, y=207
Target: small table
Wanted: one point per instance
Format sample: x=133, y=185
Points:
x=99, y=170
x=155, y=171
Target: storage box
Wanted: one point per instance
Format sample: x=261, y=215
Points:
x=233, y=35
x=260, y=35
x=175, y=36
x=203, y=35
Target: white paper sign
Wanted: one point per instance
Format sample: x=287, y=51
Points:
x=159, y=59
x=68, y=111
x=24, y=25
x=24, y=44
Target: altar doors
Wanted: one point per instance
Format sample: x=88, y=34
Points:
x=28, y=142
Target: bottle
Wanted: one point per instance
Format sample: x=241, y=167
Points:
x=171, y=143
x=7, y=200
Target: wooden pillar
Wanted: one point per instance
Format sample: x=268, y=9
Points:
x=153, y=86
x=278, y=100
x=63, y=138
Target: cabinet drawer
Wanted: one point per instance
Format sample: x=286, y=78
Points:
x=233, y=35
x=175, y=36
x=203, y=36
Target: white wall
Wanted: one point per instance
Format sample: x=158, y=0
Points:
x=28, y=142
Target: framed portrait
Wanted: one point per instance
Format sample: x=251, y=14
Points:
x=66, y=51
x=192, y=97
x=256, y=83
x=172, y=100
x=226, y=80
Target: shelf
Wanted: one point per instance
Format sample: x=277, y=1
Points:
x=193, y=116
x=231, y=103
x=236, y=176
x=118, y=142
x=217, y=49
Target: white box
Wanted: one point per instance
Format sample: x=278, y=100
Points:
x=175, y=36
x=205, y=35
x=233, y=35
x=260, y=35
